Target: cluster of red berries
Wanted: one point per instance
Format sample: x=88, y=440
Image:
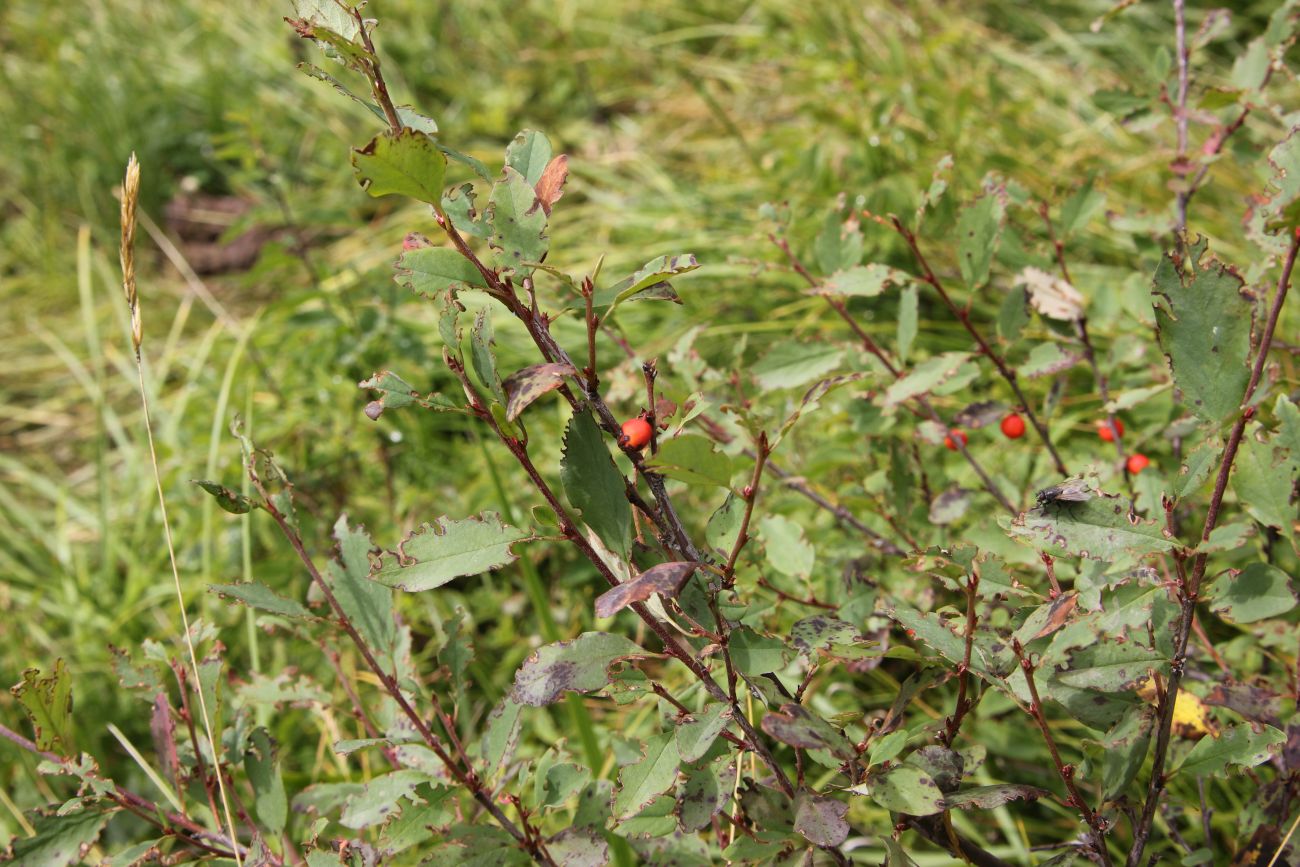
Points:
x=1013, y=428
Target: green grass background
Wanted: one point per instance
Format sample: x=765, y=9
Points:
x=680, y=118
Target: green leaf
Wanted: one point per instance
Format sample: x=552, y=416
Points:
x=1250, y=70
x=430, y=271
x=799, y=727
x=417, y=822
x=1100, y=529
x=500, y=736
x=1124, y=749
x=579, y=665
x=991, y=797
x=888, y=748
x=1203, y=319
x=695, y=737
x=47, y=701
x=517, y=223
x=907, y=320
x=263, y=598
x=1080, y=208
x=1111, y=666
x=528, y=155
x=755, y=654
x=903, y=789
x=235, y=504
x=367, y=604
x=788, y=551
x=819, y=819
x=702, y=795
x=822, y=634
x=436, y=553
x=1046, y=359
x=1197, y=466
x=525, y=386
x=924, y=377
x=405, y=163
x=839, y=245
x=1262, y=478
x=1013, y=315
x=1238, y=745
x=642, y=782
x=263, y=771
x=979, y=229
x=692, y=459
x=863, y=281
x=395, y=393
x=664, y=579
x=60, y=840
x=724, y=525
x=481, y=354
x=593, y=484
x=790, y=364
x=381, y=798
x=638, y=285
x=1257, y=592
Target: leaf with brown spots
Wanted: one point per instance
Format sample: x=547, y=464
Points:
x=579, y=665
x=989, y=797
x=48, y=703
x=820, y=820
x=665, y=579
x=525, y=386
x=799, y=727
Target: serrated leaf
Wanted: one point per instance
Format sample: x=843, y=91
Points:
x=978, y=230
x=47, y=701
x=528, y=155
x=579, y=665
x=924, y=377
x=1100, y=529
x=643, y=781
x=395, y=393
x=692, y=459
x=525, y=386
x=903, y=789
x=664, y=580
x=1239, y=745
x=431, y=271
x=404, y=163
x=367, y=604
x=1263, y=476
x=695, y=737
x=1257, y=592
x=436, y=553
x=790, y=364
x=799, y=727
x=381, y=798
x=701, y=796
x=517, y=223
x=863, y=281
x=228, y=500
x=263, y=598
x=60, y=840
x=1203, y=320
x=593, y=484
x=820, y=819
x=1124, y=749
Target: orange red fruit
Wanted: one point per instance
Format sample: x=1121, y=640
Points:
x=948, y=440
x=1137, y=463
x=1013, y=427
x=636, y=432
x=1104, y=431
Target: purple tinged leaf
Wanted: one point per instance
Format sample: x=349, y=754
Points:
x=525, y=386
x=821, y=820
x=665, y=580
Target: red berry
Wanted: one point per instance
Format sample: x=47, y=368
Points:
x=1137, y=463
x=1013, y=427
x=636, y=432
x=1104, y=431
x=958, y=435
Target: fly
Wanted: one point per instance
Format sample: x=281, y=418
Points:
x=1069, y=491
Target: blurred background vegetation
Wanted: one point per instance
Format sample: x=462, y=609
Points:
x=680, y=118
